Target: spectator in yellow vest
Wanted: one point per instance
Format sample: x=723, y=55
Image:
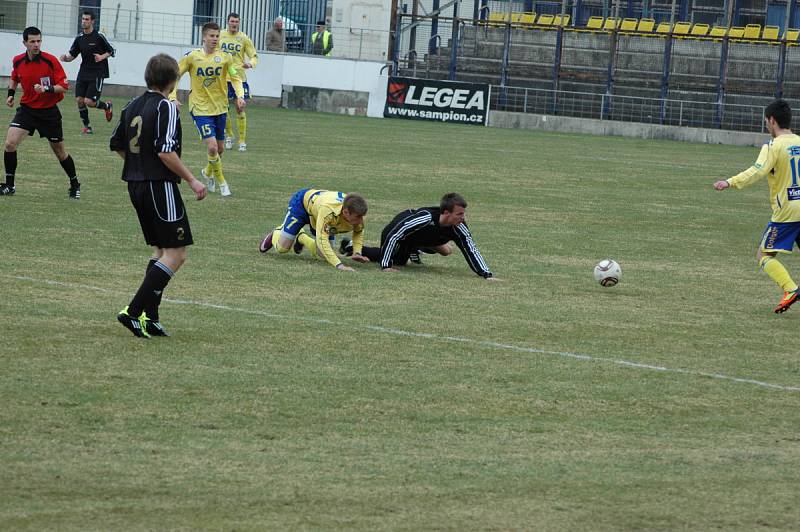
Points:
x=321, y=40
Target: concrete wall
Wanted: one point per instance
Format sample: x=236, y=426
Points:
x=362, y=25
x=588, y=126
x=268, y=80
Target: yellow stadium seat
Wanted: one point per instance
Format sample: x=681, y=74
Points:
x=528, y=18
x=498, y=17
x=663, y=27
x=699, y=30
x=628, y=25
x=752, y=31
x=594, y=23
x=561, y=20
x=736, y=32
x=646, y=25
x=791, y=36
x=611, y=23
x=771, y=33
x=545, y=20
x=718, y=32
x=681, y=29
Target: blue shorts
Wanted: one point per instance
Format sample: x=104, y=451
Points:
x=296, y=215
x=211, y=126
x=232, y=93
x=780, y=237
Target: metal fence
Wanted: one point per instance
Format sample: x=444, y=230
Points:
x=181, y=29
x=721, y=83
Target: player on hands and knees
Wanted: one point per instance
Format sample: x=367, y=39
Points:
x=244, y=55
x=328, y=213
x=44, y=83
x=148, y=138
x=779, y=162
x=210, y=70
x=94, y=50
x=429, y=229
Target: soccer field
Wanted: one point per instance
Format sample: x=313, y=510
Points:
x=294, y=396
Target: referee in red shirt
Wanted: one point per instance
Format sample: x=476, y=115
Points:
x=43, y=84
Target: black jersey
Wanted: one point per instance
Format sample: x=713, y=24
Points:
x=86, y=45
x=414, y=229
x=148, y=125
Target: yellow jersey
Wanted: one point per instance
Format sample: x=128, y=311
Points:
x=238, y=46
x=779, y=161
x=209, y=74
x=325, y=210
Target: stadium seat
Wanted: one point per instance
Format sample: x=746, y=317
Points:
x=594, y=24
x=699, y=30
x=791, y=36
x=771, y=33
x=736, y=32
x=516, y=17
x=628, y=25
x=681, y=29
x=663, y=28
x=528, y=18
x=646, y=25
x=561, y=20
x=545, y=20
x=718, y=32
x=611, y=24
x=752, y=32
x=498, y=18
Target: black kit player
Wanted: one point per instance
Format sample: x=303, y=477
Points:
x=94, y=49
x=43, y=83
x=148, y=138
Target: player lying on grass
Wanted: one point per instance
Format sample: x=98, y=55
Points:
x=327, y=213
x=428, y=229
x=779, y=162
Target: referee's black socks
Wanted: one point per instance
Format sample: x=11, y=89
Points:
x=10, y=162
x=69, y=167
x=102, y=105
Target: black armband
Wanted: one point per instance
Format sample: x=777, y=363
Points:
x=11, y=92
x=51, y=88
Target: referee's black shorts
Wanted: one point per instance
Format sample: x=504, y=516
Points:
x=161, y=213
x=91, y=89
x=46, y=121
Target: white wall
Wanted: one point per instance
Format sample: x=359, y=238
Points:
x=361, y=26
x=273, y=72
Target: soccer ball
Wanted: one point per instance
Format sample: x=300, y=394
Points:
x=607, y=272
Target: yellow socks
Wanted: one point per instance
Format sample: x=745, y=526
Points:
x=229, y=123
x=772, y=267
x=215, y=163
x=241, y=125
x=308, y=241
x=276, y=241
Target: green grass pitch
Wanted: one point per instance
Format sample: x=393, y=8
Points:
x=293, y=396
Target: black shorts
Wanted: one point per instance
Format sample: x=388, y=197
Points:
x=91, y=89
x=46, y=121
x=161, y=213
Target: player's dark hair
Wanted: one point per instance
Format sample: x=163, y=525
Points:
x=232, y=15
x=210, y=26
x=161, y=71
x=781, y=112
x=449, y=202
x=30, y=30
x=90, y=13
x=355, y=203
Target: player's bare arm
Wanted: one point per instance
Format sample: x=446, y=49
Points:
x=12, y=87
x=174, y=163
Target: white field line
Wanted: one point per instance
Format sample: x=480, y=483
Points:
x=431, y=336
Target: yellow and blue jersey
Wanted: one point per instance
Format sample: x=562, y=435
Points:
x=239, y=46
x=779, y=162
x=325, y=211
x=210, y=74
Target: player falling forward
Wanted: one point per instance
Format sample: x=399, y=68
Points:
x=44, y=83
x=94, y=49
x=779, y=162
x=148, y=138
x=210, y=71
x=241, y=49
x=328, y=213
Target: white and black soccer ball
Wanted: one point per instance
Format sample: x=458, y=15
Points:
x=607, y=272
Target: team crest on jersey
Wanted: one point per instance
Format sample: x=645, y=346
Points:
x=331, y=230
x=217, y=59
